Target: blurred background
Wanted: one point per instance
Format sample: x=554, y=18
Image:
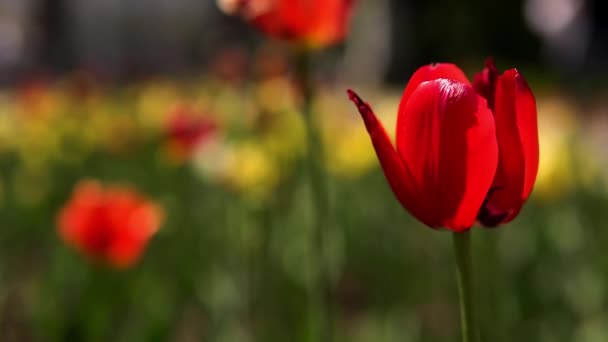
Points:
x=92, y=89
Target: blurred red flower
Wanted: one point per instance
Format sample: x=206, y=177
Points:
x=110, y=224
x=463, y=152
x=187, y=130
x=34, y=95
x=311, y=23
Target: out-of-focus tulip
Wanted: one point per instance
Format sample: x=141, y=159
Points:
x=248, y=168
x=154, y=101
x=38, y=99
x=186, y=130
x=110, y=224
x=463, y=152
x=310, y=23
x=252, y=171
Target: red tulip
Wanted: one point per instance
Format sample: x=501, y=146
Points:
x=186, y=130
x=458, y=160
x=312, y=23
x=111, y=224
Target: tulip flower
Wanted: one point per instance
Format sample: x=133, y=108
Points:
x=310, y=23
x=187, y=130
x=108, y=224
x=464, y=152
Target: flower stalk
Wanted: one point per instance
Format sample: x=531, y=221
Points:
x=464, y=271
x=320, y=313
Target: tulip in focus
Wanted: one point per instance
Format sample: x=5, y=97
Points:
x=464, y=152
x=310, y=23
x=109, y=224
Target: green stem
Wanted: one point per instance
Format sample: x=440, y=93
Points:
x=320, y=299
x=464, y=267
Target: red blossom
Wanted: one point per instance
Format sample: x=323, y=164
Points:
x=109, y=224
x=313, y=23
x=458, y=160
x=187, y=130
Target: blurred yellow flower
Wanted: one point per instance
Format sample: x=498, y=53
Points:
x=251, y=170
x=153, y=104
x=275, y=94
x=284, y=136
x=245, y=167
x=352, y=155
x=348, y=151
x=558, y=128
x=8, y=131
x=37, y=143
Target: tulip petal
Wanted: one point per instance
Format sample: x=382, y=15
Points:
x=426, y=73
x=396, y=174
x=448, y=144
x=517, y=134
x=484, y=82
